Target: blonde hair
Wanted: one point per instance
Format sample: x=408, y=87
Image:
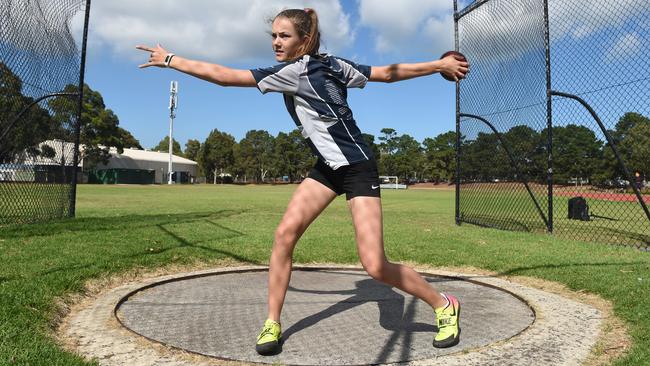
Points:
x=306, y=23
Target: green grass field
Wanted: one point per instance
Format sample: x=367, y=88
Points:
x=123, y=228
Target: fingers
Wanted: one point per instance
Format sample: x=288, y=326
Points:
x=462, y=70
x=152, y=63
x=145, y=48
x=458, y=75
x=462, y=60
x=156, y=57
x=150, y=49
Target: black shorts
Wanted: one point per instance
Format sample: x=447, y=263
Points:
x=359, y=179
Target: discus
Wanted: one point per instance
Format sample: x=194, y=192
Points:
x=450, y=53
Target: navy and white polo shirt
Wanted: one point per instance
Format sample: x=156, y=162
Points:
x=315, y=93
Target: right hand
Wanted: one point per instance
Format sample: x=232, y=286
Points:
x=157, y=56
x=454, y=66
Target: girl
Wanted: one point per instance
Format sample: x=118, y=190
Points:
x=315, y=93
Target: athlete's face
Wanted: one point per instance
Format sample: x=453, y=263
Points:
x=286, y=40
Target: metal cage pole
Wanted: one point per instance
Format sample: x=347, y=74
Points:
x=458, y=139
x=77, y=132
x=549, y=118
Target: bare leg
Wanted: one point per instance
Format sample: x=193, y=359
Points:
x=367, y=219
x=308, y=201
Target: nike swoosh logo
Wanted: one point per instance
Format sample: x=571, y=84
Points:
x=374, y=187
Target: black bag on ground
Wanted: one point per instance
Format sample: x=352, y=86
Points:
x=578, y=209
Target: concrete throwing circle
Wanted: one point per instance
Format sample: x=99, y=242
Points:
x=331, y=316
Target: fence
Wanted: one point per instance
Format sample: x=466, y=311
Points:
x=553, y=121
x=41, y=71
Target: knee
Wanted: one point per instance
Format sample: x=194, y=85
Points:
x=377, y=268
x=287, y=234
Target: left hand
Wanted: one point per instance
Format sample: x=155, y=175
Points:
x=157, y=56
x=455, y=67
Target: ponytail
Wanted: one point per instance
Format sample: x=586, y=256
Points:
x=306, y=23
x=313, y=44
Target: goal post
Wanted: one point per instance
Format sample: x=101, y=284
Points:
x=390, y=182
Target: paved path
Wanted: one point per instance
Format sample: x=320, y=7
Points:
x=333, y=316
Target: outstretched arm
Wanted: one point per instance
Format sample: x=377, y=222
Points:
x=451, y=65
x=213, y=73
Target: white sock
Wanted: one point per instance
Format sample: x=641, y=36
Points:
x=447, y=304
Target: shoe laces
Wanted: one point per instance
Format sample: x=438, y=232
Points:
x=267, y=330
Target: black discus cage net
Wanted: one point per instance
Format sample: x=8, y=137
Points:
x=553, y=121
x=42, y=56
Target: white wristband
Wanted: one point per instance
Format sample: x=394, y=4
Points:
x=168, y=59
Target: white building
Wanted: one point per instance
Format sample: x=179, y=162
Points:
x=133, y=159
x=52, y=165
x=132, y=166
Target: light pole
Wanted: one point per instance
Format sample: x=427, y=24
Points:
x=173, y=100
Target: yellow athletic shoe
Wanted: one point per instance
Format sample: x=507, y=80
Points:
x=448, y=320
x=268, y=342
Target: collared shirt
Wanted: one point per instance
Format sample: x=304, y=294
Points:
x=315, y=94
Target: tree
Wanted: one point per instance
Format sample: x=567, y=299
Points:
x=528, y=150
x=192, y=148
x=483, y=159
x=387, y=145
x=408, y=158
x=610, y=168
x=292, y=155
x=631, y=144
x=255, y=154
x=400, y=155
x=626, y=123
x=216, y=154
x=440, y=156
x=636, y=148
x=128, y=140
x=386, y=162
x=99, y=126
x=163, y=146
x=307, y=158
x=34, y=127
x=370, y=140
x=576, y=153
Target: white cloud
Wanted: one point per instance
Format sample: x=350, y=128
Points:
x=216, y=30
x=403, y=26
x=500, y=30
x=492, y=24
x=581, y=18
x=627, y=46
x=38, y=28
x=399, y=26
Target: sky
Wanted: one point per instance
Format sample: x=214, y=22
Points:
x=235, y=34
x=596, y=45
